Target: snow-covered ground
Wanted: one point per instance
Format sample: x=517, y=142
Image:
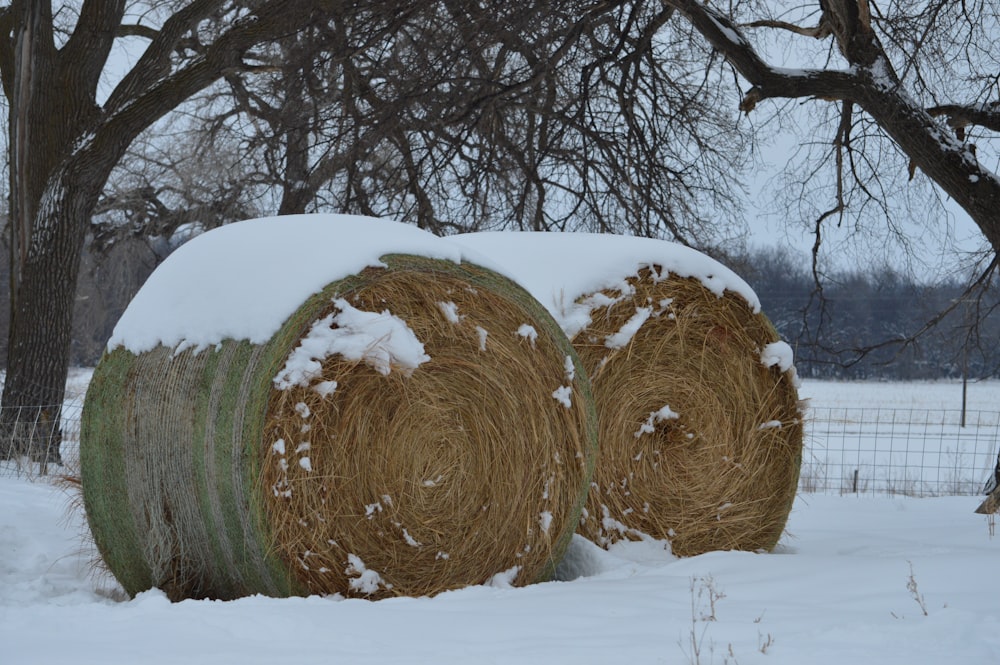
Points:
x=855, y=580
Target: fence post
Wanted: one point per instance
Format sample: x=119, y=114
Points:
x=965, y=382
x=965, y=358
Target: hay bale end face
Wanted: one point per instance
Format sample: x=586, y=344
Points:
x=416, y=426
x=700, y=424
x=701, y=440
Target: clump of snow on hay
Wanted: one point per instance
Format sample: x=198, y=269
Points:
x=337, y=405
x=700, y=422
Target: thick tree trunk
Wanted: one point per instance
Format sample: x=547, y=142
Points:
x=50, y=107
x=295, y=191
x=33, y=388
x=294, y=117
x=41, y=325
x=38, y=358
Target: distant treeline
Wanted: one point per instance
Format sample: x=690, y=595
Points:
x=862, y=326
x=874, y=324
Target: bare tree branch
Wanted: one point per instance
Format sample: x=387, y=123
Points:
x=154, y=64
x=136, y=30
x=817, y=32
x=961, y=116
x=873, y=85
x=455, y=115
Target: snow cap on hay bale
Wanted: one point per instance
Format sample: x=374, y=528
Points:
x=700, y=425
x=327, y=404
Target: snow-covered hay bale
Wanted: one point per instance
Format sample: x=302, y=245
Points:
x=700, y=426
x=333, y=405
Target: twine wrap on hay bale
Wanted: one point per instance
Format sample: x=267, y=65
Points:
x=699, y=418
x=415, y=426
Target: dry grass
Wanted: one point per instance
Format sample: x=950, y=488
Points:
x=418, y=483
x=712, y=478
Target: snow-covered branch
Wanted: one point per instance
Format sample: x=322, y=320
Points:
x=766, y=81
x=960, y=116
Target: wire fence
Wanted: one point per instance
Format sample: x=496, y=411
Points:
x=915, y=452
x=40, y=433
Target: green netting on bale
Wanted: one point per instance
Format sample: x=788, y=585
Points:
x=176, y=449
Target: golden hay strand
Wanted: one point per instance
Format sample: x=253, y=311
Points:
x=721, y=474
x=464, y=469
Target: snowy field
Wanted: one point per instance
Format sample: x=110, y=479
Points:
x=900, y=438
x=856, y=579
x=942, y=395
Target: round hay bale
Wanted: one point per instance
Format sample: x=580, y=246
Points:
x=416, y=425
x=700, y=423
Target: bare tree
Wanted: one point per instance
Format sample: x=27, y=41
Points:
x=469, y=115
x=63, y=145
x=172, y=184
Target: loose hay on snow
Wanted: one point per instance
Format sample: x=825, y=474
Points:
x=700, y=441
x=203, y=476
